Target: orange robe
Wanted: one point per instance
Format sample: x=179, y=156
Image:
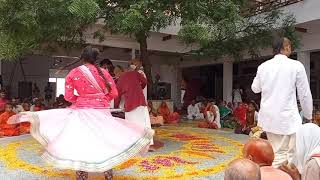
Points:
x=24, y=127
x=8, y=129
x=169, y=117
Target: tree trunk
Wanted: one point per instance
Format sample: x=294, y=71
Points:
x=142, y=39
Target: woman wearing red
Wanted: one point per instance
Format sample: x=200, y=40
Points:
x=169, y=117
x=86, y=137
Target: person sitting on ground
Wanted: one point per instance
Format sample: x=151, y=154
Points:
x=230, y=106
x=5, y=128
x=316, y=118
x=38, y=106
x=251, y=118
x=194, y=111
x=26, y=106
x=202, y=104
x=217, y=118
x=155, y=118
x=61, y=102
x=240, y=115
x=169, y=117
x=307, y=154
x=25, y=126
x=242, y=169
x=224, y=110
x=3, y=101
x=210, y=117
x=17, y=108
x=260, y=151
x=227, y=121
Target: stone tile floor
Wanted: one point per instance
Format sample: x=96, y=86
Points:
x=188, y=153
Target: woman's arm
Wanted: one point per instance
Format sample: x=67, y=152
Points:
x=113, y=93
x=69, y=88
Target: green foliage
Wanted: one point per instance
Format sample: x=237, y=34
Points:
x=25, y=25
x=137, y=17
x=218, y=26
x=221, y=29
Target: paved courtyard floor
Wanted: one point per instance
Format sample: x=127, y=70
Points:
x=188, y=153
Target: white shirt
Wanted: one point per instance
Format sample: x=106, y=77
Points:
x=193, y=110
x=278, y=80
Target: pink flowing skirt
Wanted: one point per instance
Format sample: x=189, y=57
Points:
x=89, y=140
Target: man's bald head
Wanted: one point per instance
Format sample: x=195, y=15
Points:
x=282, y=46
x=242, y=169
x=259, y=151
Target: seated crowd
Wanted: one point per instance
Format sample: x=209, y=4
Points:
x=242, y=118
x=11, y=107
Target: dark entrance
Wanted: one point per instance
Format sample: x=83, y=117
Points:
x=204, y=81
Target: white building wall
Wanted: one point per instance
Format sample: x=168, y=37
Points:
x=36, y=69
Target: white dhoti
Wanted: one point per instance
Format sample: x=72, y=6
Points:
x=283, y=147
x=140, y=116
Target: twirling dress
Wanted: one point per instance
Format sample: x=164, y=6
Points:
x=85, y=136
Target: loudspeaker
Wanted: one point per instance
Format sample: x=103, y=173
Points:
x=25, y=89
x=164, y=91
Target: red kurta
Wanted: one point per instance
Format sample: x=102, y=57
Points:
x=130, y=87
x=89, y=96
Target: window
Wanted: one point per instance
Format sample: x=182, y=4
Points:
x=52, y=80
x=60, y=86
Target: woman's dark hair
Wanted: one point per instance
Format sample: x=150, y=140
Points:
x=90, y=55
x=106, y=62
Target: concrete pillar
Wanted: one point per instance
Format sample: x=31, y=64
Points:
x=178, y=85
x=227, y=81
x=304, y=58
x=133, y=53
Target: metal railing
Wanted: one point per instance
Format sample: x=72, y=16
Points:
x=259, y=6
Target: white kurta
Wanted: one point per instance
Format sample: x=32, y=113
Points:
x=194, y=112
x=278, y=80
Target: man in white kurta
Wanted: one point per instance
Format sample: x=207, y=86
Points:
x=194, y=111
x=278, y=80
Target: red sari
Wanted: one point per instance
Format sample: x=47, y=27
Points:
x=240, y=114
x=8, y=129
x=169, y=117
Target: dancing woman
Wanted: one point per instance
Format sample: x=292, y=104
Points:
x=85, y=137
